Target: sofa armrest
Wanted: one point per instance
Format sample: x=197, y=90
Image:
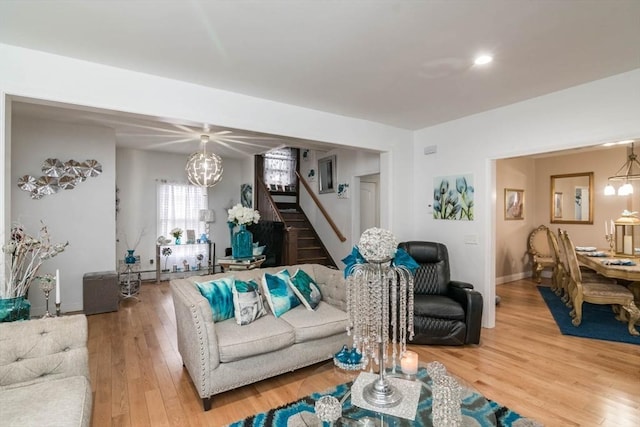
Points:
x=41, y=350
x=196, y=333
x=471, y=301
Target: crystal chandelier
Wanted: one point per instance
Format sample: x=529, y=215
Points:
x=626, y=174
x=204, y=169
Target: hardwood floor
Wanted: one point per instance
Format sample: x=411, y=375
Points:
x=524, y=363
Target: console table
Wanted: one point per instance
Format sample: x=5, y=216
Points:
x=228, y=263
x=208, y=249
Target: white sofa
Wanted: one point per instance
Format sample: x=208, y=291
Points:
x=44, y=373
x=222, y=356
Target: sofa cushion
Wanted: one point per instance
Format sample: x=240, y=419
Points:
x=325, y=321
x=264, y=335
x=306, y=289
x=247, y=302
x=218, y=293
x=62, y=402
x=278, y=292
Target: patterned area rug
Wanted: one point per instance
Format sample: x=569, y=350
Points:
x=478, y=411
x=598, y=321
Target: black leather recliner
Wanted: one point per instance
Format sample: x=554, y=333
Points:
x=270, y=234
x=446, y=312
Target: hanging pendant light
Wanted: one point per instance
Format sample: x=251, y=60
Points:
x=204, y=169
x=630, y=171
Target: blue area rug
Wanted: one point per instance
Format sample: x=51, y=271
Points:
x=598, y=321
x=483, y=411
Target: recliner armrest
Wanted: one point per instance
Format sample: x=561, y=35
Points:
x=471, y=301
x=462, y=285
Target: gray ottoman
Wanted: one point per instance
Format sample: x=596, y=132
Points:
x=100, y=292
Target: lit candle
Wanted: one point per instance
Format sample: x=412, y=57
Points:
x=57, y=286
x=409, y=363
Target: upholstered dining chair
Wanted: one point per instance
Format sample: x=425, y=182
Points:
x=446, y=312
x=540, y=252
x=618, y=296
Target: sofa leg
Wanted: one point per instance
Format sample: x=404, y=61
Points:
x=206, y=403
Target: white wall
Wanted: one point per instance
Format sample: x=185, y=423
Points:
x=589, y=114
x=350, y=164
x=137, y=175
x=84, y=216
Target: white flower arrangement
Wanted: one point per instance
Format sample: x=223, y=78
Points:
x=240, y=215
x=176, y=232
x=27, y=253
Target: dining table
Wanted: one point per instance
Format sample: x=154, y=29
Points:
x=615, y=267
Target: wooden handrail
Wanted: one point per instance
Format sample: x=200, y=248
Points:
x=266, y=205
x=321, y=208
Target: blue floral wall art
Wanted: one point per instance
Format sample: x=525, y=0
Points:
x=453, y=197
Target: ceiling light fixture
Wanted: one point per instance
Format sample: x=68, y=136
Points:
x=483, y=59
x=204, y=169
x=630, y=171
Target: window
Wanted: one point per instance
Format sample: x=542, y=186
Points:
x=280, y=168
x=179, y=206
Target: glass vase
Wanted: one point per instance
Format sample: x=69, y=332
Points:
x=12, y=309
x=242, y=244
x=130, y=258
x=178, y=241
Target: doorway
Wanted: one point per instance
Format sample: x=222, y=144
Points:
x=369, y=202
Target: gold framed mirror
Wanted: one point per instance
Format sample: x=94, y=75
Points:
x=571, y=198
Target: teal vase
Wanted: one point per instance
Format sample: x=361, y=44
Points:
x=130, y=258
x=242, y=243
x=178, y=241
x=12, y=309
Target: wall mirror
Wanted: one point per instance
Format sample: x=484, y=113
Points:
x=572, y=198
x=327, y=174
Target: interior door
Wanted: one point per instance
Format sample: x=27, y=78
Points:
x=369, y=207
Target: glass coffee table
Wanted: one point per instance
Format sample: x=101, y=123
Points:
x=476, y=409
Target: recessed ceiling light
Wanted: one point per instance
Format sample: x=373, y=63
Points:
x=483, y=59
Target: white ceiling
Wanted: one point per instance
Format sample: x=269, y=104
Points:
x=403, y=63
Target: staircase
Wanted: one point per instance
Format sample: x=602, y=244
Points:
x=307, y=245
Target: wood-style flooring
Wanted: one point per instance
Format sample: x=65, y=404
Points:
x=524, y=363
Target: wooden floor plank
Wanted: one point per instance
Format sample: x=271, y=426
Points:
x=524, y=363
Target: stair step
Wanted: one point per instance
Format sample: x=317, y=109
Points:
x=316, y=260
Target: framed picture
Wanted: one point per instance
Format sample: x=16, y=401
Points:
x=327, y=174
x=246, y=195
x=191, y=236
x=557, y=204
x=513, y=204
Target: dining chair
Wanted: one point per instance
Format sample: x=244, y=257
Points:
x=618, y=296
x=559, y=273
x=540, y=252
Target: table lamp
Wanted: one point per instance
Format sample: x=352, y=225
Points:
x=207, y=216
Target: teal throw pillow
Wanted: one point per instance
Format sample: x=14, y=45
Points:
x=278, y=292
x=247, y=302
x=218, y=293
x=306, y=289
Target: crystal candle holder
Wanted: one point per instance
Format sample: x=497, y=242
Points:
x=328, y=409
x=436, y=370
x=446, y=407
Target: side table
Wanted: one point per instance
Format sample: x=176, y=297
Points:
x=228, y=263
x=130, y=281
